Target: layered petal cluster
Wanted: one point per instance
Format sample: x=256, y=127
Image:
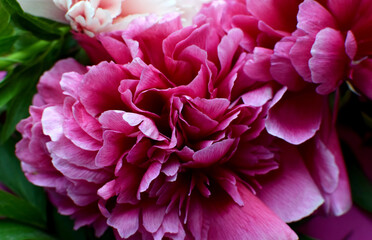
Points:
x=53, y=152
x=331, y=45
x=168, y=140
x=273, y=36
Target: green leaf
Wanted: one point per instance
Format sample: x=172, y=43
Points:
x=361, y=187
x=64, y=228
x=15, y=82
x=20, y=210
x=26, y=55
x=43, y=28
x=367, y=119
x=10, y=230
x=12, y=176
x=4, y=19
x=305, y=237
x=6, y=43
x=17, y=110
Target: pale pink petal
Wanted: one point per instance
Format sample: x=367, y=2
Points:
x=52, y=122
x=43, y=8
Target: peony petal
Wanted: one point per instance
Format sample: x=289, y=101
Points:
x=324, y=159
x=116, y=48
x=113, y=120
x=281, y=67
x=114, y=146
x=43, y=8
x=300, y=55
x=49, y=86
x=52, y=122
x=313, y=17
x=78, y=173
x=329, y=61
x=99, y=89
x=228, y=221
x=65, y=149
x=259, y=96
x=280, y=15
x=227, y=48
x=144, y=124
x=212, y=154
x=125, y=221
x=88, y=124
x=152, y=217
x=296, y=117
x=152, y=173
x=351, y=45
x=257, y=68
x=213, y=108
x=290, y=191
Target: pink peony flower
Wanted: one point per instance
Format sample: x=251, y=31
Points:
x=167, y=141
x=270, y=33
x=96, y=16
x=332, y=44
x=68, y=174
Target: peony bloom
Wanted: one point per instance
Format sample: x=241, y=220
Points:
x=71, y=185
x=43, y=8
x=96, y=16
x=270, y=32
x=333, y=44
x=167, y=141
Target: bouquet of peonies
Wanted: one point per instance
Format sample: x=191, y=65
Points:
x=193, y=119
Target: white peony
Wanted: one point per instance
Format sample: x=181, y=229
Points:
x=96, y=16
